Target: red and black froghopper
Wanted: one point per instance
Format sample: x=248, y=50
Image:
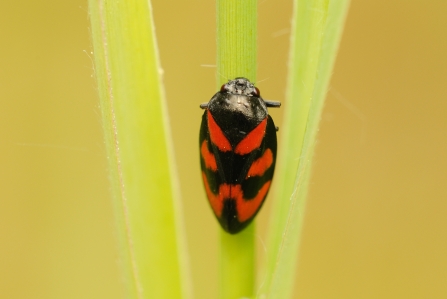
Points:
x=237, y=152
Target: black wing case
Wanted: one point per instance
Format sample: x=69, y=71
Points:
x=255, y=188
x=230, y=170
x=208, y=158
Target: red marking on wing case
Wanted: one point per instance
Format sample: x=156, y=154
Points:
x=259, y=166
x=217, y=136
x=216, y=201
x=252, y=140
x=208, y=157
x=245, y=208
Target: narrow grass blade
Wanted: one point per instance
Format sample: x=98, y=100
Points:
x=316, y=34
x=137, y=139
x=236, y=57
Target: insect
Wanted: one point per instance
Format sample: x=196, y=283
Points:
x=237, y=152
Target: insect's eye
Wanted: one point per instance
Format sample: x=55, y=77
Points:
x=258, y=93
x=222, y=88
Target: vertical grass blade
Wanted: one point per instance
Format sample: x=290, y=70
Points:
x=137, y=139
x=236, y=57
x=315, y=37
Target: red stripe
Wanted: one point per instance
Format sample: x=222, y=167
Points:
x=208, y=157
x=245, y=208
x=217, y=136
x=252, y=140
x=216, y=201
x=259, y=166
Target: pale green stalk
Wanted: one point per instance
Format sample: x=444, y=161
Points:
x=236, y=57
x=137, y=140
x=316, y=33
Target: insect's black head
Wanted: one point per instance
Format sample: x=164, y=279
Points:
x=240, y=86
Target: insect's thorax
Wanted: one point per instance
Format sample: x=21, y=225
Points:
x=237, y=115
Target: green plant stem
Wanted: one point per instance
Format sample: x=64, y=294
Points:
x=316, y=34
x=137, y=140
x=236, y=57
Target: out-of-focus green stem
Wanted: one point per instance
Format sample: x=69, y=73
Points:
x=137, y=140
x=316, y=33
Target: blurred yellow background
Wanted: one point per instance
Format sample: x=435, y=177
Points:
x=376, y=223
